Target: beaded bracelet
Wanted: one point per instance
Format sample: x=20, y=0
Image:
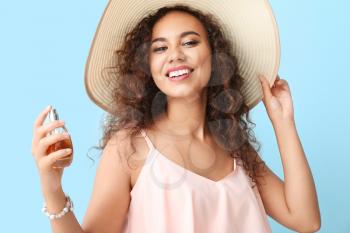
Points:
x=68, y=207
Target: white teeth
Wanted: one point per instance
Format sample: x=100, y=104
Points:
x=178, y=73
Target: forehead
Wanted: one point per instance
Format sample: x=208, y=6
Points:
x=176, y=22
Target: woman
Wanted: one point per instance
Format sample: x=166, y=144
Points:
x=178, y=153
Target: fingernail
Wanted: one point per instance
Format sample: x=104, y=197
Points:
x=48, y=107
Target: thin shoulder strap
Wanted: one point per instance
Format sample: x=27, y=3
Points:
x=149, y=143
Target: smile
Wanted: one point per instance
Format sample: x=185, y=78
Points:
x=179, y=75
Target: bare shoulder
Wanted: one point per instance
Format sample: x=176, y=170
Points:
x=110, y=198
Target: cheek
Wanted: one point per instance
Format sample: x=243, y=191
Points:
x=206, y=58
x=156, y=64
x=205, y=71
x=207, y=62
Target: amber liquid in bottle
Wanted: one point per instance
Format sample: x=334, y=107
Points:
x=65, y=161
x=63, y=144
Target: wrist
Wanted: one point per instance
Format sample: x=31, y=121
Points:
x=54, y=199
x=52, y=193
x=283, y=123
x=49, y=193
x=68, y=206
x=49, y=187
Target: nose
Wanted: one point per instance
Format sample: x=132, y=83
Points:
x=176, y=54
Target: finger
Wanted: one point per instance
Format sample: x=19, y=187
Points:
x=40, y=119
x=51, y=159
x=283, y=84
x=265, y=87
x=43, y=130
x=283, y=81
x=45, y=142
x=277, y=81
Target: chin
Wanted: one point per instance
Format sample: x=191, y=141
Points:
x=185, y=93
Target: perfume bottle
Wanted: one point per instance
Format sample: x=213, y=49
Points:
x=63, y=144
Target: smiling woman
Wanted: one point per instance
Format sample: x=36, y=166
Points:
x=178, y=150
x=178, y=79
x=160, y=100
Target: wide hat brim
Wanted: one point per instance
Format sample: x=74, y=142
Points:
x=249, y=24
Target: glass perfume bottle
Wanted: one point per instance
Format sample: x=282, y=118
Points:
x=63, y=144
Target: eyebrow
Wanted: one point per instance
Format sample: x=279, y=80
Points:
x=181, y=36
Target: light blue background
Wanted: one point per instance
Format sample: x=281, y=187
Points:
x=43, y=50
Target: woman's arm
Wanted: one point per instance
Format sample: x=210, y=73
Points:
x=294, y=201
x=300, y=191
x=110, y=198
x=51, y=178
x=109, y=202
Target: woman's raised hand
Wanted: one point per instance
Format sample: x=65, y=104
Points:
x=277, y=99
x=50, y=175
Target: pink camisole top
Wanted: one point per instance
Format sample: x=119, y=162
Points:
x=167, y=198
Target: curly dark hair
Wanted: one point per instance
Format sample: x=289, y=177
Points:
x=137, y=100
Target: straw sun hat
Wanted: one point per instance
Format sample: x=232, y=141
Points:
x=249, y=24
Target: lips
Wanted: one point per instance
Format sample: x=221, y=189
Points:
x=177, y=68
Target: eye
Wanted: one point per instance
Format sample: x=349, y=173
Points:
x=189, y=43
x=159, y=49
x=192, y=42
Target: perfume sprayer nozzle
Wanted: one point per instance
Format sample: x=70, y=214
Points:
x=53, y=115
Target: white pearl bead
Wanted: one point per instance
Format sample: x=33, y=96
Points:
x=68, y=207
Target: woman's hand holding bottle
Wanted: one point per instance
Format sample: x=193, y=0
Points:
x=52, y=151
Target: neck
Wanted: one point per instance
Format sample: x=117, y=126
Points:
x=186, y=116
